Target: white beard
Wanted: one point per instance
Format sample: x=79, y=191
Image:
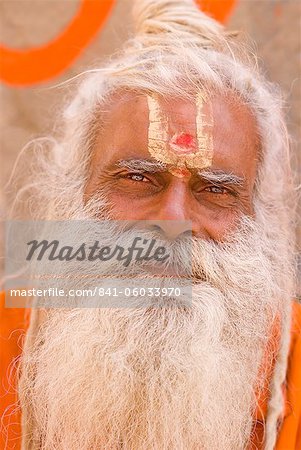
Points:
x=173, y=377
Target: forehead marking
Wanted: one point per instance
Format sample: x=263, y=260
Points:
x=157, y=131
x=204, y=127
x=180, y=172
x=182, y=151
x=183, y=144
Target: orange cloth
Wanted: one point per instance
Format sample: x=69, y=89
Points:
x=290, y=433
x=14, y=323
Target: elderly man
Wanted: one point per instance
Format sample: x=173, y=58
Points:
x=180, y=129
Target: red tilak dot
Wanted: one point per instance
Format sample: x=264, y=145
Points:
x=184, y=140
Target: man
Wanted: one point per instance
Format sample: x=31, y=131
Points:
x=181, y=128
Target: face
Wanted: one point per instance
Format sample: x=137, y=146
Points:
x=140, y=186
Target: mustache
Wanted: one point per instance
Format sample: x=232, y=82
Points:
x=186, y=257
x=108, y=246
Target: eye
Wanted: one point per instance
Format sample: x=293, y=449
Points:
x=217, y=190
x=136, y=177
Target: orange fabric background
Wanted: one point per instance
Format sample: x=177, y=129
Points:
x=34, y=65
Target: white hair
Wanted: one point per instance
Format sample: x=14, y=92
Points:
x=176, y=50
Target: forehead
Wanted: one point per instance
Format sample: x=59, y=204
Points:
x=126, y=126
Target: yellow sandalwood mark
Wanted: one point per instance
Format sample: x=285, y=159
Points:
x=180, y=172
x=182, y=151
x=204, y=127
x=158, y=131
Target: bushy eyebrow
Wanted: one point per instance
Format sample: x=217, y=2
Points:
x=145, y=165
x=221, y=177
x=213, y=176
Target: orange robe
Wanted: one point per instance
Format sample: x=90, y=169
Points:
x=13, y=326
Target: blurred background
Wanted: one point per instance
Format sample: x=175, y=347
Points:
x=44, y=42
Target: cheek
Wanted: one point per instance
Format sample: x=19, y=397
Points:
x=220, y=223
x=123, y=208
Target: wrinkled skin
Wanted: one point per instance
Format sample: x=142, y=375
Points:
x=213, y=209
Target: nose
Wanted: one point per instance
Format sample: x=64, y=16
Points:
x=173, y=214
x=170, y=229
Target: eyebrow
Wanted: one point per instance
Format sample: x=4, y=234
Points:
x=213, y=176
x=221, y=177
x=146, y=165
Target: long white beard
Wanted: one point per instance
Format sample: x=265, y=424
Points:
x=174, y=377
